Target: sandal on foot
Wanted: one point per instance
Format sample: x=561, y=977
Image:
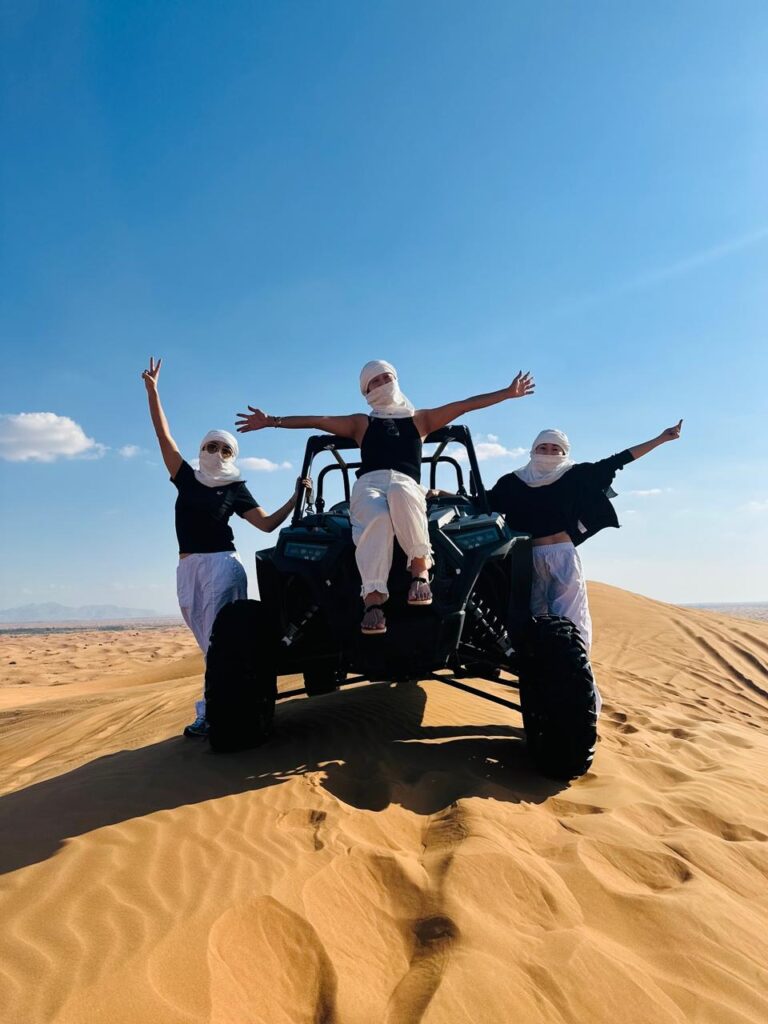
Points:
x=420, y=592
x=374, y=623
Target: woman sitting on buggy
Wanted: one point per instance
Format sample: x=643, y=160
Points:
x=387, y=500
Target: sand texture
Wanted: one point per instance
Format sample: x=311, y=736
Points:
x=389, y=857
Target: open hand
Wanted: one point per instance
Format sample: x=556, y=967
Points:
x=672, y=433
x=150, y=376
x=522, y=385
x=255, y=420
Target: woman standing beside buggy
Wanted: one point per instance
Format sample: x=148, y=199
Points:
x=210, y=573
x=561, y=503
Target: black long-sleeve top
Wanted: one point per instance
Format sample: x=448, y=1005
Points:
x=577, y=503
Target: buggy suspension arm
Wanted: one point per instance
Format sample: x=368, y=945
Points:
x=294, y=628
x=493, y=633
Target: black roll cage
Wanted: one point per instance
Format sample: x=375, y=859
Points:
x=456, y=433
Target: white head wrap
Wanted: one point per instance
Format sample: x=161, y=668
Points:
x=387, y=400
x=545, y=469
x=215, y=470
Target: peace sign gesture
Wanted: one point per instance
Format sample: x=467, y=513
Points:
x=150, y=376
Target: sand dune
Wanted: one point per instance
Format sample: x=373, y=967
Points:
x=390, y=856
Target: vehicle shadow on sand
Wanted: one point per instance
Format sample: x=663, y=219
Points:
x=368, y=747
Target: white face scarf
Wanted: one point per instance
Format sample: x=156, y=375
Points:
x=545, y=469
x=387, y=400
x=215, y=470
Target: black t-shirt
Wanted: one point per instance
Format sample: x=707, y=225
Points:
x=202, y=513
x=576, y=504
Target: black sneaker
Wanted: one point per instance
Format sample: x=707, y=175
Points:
x=199, y=729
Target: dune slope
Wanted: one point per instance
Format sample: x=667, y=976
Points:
x=390, y=856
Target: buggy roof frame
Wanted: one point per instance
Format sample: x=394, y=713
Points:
x=455, y=433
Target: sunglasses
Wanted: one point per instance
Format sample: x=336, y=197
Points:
x=213, y=446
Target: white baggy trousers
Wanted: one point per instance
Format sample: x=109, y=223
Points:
x=386, y=504
x=204, y=584
x=559, y=589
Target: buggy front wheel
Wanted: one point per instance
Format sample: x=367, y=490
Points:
x=240, y=678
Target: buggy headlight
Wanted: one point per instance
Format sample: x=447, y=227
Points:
x=469, y=539
x=307, y=552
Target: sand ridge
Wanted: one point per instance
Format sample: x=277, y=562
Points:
x=390, y=855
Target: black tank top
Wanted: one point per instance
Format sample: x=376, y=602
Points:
x=391, y=444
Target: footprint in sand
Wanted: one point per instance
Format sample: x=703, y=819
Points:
x=634, y=871
x=268, y=966
x=387, y=925
x=433, y=939
x=304, y=818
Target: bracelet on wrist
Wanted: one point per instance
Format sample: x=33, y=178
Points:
x=277, y=421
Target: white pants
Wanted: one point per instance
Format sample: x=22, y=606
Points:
x=386, y=504
x=204, y=584
x=559, y=587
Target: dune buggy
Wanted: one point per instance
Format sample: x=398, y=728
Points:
x=479, y=625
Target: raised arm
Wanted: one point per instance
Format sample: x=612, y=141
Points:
x=428, y=420
x=258, y=517
x=353, y=426
x=670, y=434
x=168, y=447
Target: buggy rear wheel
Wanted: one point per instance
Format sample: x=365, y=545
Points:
x=557, y=693
x=240, y=678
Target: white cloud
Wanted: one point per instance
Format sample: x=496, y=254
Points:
x=756, y=506
x=129, y=451
x=263, y=465
x=651, y=492
x=493, y=450
x=44, y=437
x=491, y=437
x=486, y=450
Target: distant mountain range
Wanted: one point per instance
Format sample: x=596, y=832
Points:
x=50, y=611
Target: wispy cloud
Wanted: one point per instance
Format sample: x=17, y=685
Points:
x=756, y=506
x=702, y=258
x=666, y=272
x=44, y=437
x=129, y=451
x=650, y=493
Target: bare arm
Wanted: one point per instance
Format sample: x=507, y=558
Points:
x=267, y=523
x=168, y=447
x=353, y=426
x=670, y=434
x=428, y=420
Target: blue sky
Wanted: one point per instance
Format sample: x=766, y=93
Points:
x=270, y=194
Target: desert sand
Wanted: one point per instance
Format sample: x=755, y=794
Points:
x=390, y=855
